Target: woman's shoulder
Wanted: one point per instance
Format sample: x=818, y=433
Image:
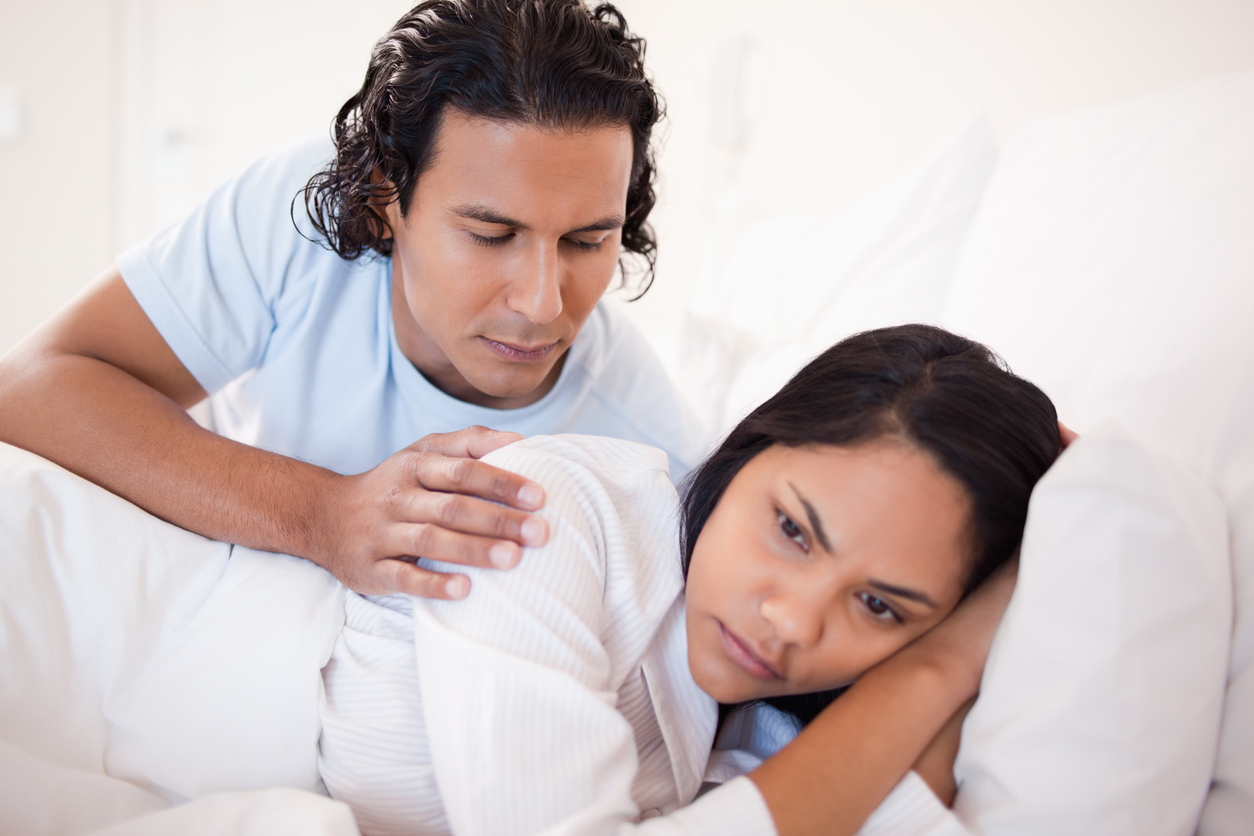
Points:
x=617, y=492
x=610, y=503
x=607, y=461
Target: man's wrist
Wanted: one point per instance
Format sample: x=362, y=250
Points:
x=321, y=517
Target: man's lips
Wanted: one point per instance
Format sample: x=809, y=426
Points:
x=519, y=353
x=745, y=656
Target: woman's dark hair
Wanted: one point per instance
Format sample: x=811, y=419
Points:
x=554, y=64
x=945, y=395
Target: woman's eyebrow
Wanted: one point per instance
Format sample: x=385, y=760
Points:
x=815, y=522
x=902, y=592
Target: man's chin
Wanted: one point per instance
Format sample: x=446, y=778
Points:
x=512, y=387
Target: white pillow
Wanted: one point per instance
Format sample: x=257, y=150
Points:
x=789, y=286
x=137, y=649
x=1100, y=706
x=1112, y=262
x=888, y=258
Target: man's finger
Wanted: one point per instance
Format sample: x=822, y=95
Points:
x=437, y=472
x=399, y=576
x=415, y=540
x=469, y=515
x=472, y=442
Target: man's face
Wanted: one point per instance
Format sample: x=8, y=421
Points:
x=511, y=239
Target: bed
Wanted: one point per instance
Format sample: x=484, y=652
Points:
x=1107, y=254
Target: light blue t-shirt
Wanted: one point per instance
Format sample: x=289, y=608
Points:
x=297, y=348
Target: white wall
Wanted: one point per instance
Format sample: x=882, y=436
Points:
x=843, y=95
x=206, y=88
x=57, y=163
x=133, y=109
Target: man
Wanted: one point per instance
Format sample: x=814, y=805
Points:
x=482, y=186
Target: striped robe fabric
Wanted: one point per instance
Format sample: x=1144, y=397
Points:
x=556, y=698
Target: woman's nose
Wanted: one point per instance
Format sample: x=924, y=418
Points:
x=795, y=619
x=536, y=292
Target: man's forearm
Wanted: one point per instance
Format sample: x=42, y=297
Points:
x=114, y=430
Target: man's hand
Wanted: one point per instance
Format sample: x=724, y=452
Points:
x=434, y=500
x=97, y=390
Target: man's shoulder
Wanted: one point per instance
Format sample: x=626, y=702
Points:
x=291, y=166
x=631, y=387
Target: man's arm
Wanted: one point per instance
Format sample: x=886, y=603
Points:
x=97, y=390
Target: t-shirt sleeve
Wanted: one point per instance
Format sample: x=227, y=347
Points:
x=213, y=283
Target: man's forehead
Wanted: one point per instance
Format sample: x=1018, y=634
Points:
x=512, y=173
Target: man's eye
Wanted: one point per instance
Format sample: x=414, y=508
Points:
x=489, y=240
x=792, y=531
x=587, y=246
x=878, y=607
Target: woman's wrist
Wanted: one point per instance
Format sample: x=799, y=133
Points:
x=943, y=664
x=879, y=728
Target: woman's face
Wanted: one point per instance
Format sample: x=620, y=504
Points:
x=820, y=561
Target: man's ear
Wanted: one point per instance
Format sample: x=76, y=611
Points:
x=382, y=202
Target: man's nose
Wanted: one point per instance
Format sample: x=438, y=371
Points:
x=536, y=292
x=796, y=616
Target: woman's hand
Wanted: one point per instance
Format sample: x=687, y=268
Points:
x=936, y=765
x=842, y=765
x=432, y=500
x=961, y=642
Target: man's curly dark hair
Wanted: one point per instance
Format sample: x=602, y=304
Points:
x=554, y=64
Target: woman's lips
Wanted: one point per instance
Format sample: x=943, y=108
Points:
x=743, y=655
x=519, y=353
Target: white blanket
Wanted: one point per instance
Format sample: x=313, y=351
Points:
x=143, y=665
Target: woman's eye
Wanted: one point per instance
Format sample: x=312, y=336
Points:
x=490, y=240
x=585, y=245
x=792, y=531
x=878, y=607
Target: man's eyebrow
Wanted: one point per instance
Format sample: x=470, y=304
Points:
x=610, y=222
x=483, y=214
x=902, y=592
x=815, y=522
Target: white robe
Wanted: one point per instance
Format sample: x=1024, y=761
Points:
x=556, y=699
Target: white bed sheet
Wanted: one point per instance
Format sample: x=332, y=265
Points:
x=143, y=665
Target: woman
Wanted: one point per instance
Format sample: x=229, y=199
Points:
x=829, y=533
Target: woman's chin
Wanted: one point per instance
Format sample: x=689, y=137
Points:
x=726, y=689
